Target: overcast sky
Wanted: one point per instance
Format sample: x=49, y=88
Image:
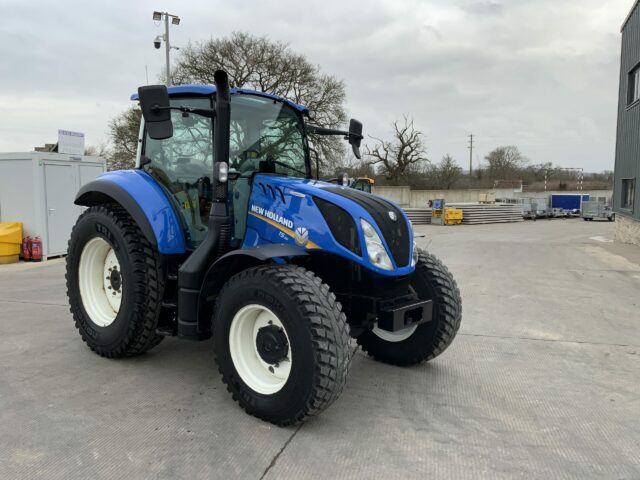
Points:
x=539, y=74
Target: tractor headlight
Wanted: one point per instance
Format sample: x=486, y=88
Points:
x=375, y=248
x=416, y=254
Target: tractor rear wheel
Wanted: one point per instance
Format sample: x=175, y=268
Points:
x=114, y=283
x=431, y=280
x=281, y=343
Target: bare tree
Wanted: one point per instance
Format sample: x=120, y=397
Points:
x=261, y=64
x=447, y=172
x=505, y=162
x=402, y=155
x=100, y=150
x=124, y=130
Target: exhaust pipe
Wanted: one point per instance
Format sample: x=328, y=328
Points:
x=221, y=135
x=192, y=272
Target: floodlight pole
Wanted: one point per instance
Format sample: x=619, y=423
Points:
x=167, y=47
x=175, y=20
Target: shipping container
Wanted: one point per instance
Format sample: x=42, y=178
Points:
x=38, y=189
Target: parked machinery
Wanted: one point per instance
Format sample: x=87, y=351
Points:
x=221, y=232
x=597, y=209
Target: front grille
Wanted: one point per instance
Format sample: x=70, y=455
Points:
x=341, y=224
x=395, y=233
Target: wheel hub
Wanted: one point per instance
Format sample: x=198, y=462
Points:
x=260, y=349
x=272, y=345
x=115, y=279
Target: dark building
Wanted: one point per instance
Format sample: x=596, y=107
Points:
x=626, y=195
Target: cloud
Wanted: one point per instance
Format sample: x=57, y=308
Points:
x=539, y=74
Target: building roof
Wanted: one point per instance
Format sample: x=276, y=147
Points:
x=635, y=5
x=210, y=89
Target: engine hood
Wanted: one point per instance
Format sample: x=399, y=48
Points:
x=290, y=196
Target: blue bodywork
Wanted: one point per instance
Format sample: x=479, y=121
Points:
x=280, y=209
x=210, y=89
x=297, y=206
x=153, y=201
x=271, y=219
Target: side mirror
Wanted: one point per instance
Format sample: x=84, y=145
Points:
x=355, y=136
x=154, y=102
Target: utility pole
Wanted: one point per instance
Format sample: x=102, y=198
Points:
x=175, y=20
x=470, y=147
x=167, y=47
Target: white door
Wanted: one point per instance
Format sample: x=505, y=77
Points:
x=61, y=212
x=88, y=173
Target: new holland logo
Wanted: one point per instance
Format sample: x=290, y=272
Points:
x=392, y=215
x=301, y=235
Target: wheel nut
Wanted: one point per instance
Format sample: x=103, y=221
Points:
x=270, y=368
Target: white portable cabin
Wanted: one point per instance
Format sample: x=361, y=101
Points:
x=38, y=189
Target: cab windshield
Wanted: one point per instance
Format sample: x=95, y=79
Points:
x=266, y=136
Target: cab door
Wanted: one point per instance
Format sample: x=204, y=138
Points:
x=183, y=164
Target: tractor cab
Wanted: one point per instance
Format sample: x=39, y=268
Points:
x=267, y=136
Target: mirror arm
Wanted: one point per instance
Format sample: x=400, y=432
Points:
x=325, y=131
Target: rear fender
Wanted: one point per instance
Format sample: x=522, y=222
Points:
x=141, y=196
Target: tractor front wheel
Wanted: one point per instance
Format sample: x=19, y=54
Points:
x=114, y=283
x=281, y=343
x=431, y=280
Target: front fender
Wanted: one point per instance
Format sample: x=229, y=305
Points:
x=231, y=263
x=141, y=196
x=237, y=260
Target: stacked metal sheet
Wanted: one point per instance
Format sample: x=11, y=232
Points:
x=419, y=216
x=490, y=213
x=473, y=213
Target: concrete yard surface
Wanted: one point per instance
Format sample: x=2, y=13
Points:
x=543, y=381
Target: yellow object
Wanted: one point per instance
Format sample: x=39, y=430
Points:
x=452, y=216
x=6, y=259
x=11, y=232
x=10, y=242
x=9, y=249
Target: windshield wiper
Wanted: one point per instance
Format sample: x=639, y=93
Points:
x=282, y=164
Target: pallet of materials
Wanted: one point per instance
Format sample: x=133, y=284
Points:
x=419, y=216
x=472, y=213
x=487, y=198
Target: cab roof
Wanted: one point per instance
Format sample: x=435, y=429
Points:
x=211, y=89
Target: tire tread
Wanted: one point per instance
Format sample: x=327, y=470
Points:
x=141, y=335
x=330, y=336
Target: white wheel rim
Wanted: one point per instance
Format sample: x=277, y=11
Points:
x=100, y=299
x=259, y=375
x=398, y=336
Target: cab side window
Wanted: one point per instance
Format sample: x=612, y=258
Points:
x=184, y=165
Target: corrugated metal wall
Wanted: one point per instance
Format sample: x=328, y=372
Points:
x=628, y=136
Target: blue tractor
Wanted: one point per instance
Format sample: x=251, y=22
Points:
x=221, y=231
